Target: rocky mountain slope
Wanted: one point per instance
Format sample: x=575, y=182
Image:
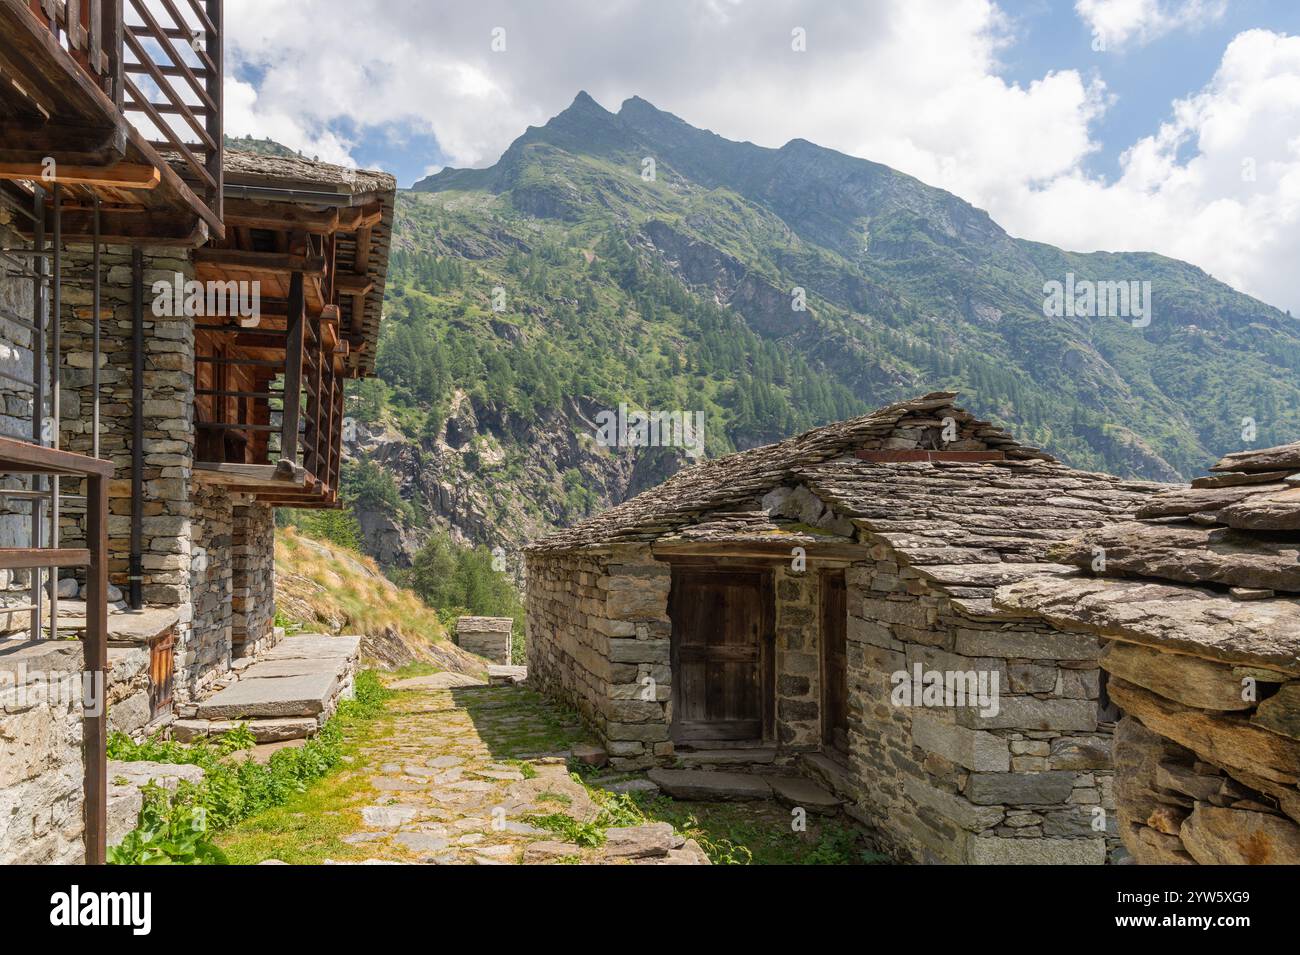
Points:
x=323, y=588
x=630, y=258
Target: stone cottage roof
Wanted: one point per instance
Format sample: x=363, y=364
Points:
x=320, y=185
x=1211, y=570
x=968, y=525
x=484, y=624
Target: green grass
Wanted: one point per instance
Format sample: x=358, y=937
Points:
x=178, y=826
x=309, y=827
x=759, y=833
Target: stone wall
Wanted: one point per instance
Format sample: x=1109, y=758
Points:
x=960, y=784
x=189, y=551
x=205, y=654
x=16, y=296
x=798, y=658
x=40, y=753
x=253, y=579
x=1024, y=776
x=598, y=638
x=488, y=637
x=1208, y=756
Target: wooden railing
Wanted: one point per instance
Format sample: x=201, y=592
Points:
x=161, y=62
x=91, y=31
x=22, y=458
x=238, y=394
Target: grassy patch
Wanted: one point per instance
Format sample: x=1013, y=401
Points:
x=178, y=826
x=318, y=582
x=758, y=833
x=414, y=669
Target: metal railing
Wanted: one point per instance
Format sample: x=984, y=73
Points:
x=47, y=466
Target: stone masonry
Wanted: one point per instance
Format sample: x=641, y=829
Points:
x=253, y=579
x=598, y=638
x=489, y=637
x=1029, y=784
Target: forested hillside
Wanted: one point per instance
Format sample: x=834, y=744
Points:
x=630, y=258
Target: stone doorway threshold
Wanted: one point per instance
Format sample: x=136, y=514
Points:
x=700, y=785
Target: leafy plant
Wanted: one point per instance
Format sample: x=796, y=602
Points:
x=172, y=830
x=231, y=789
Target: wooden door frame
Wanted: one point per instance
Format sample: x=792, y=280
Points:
x=824, y=648
x=766, y=640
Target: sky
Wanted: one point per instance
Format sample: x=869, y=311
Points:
x=1163, y=125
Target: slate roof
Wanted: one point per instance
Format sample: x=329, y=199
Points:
x=321, y=185
x=1212, y=569
x=968, y=526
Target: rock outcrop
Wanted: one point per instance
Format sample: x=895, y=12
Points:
x=1199, y=606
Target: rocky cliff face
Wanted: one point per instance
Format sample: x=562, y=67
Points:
x=493, y=480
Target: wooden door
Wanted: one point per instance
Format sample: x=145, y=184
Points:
x=721, y=654
x=835, y=669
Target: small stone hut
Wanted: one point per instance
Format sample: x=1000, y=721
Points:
x=826, y=603
x=1198, y=606
x=489, y=637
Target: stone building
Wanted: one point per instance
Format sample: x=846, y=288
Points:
x=826, y=603
x=177, y=325
x=1197, y=604
x=489, y=637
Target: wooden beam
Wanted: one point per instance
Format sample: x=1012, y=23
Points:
x=23, y=457
x=67, y=143
x=345, y=283
x=148, y=225
x=281, y=216
x=122, y=175
x=293, y=370
x=16, y=558
x=360, y=217
x=254, y=476
x=277, y=262
x=94, y=727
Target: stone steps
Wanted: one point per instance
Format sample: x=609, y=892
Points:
x=288, y=694
x=746, y=756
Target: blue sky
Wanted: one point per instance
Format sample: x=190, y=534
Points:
x=1050, y=36
x=1178, y=132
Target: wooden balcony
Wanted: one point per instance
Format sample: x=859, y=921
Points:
x=120, y=101
x=313, y=238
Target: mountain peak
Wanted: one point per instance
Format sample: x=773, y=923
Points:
x=583, y=105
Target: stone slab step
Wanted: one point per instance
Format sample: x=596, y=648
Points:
x=796, y=791
x=826, y=771
x=307, y=694
x=762, y=756
x=314, y=646
x=273, y=730
x=501, y=675
x=296, y=666
x=703, y=786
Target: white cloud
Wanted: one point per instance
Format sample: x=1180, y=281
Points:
x=1232, y=206
x=246, y=115
x=1119, y=23
x=916, y=84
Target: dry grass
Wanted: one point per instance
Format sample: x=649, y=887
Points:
x=321, y=585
